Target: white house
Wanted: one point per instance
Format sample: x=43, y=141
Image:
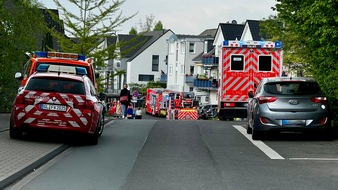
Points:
x=149, y=61
x=182, y=49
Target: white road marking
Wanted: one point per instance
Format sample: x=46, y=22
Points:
x=259, y=144
x=315, y=159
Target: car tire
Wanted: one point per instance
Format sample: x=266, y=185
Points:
x=101, y=125
x=256, y=135
x=14, y=133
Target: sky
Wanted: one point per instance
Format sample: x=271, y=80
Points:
x=188, y=16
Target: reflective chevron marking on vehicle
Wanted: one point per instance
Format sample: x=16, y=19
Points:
x=188, y=114
x=39, y=98
x=236, y=84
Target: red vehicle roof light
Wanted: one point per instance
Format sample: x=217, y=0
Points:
x=266, y=99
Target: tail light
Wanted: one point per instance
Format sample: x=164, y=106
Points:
x=228, y=104
x=323, y=121
x=266, y=99
x=20, y=99
x=319, y=99
x=263, y=120
x=89, y=104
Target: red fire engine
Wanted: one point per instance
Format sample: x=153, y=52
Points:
x=244, y=64
x=157, y=101
x=181, y=106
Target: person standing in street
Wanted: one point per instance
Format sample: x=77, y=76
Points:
x=125, y=99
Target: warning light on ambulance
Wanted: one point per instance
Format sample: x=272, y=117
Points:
x=278, y=44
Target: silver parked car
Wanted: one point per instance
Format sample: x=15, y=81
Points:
x=287, y=104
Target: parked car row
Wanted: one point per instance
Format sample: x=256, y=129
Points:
x=58, y=97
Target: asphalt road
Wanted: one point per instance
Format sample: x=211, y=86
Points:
x=160, y=154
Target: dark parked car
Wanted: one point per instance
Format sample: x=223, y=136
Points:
x=207, y=111
x=287, y=104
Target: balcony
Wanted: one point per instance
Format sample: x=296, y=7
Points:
x=205, y=83
x=163, y=78
x=189, y=79
x=210, y=61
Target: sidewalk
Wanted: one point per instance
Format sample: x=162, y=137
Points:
x=4, y=121
x=21, y=157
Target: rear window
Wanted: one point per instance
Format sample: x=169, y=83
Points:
x=56, y=85
x=66, y=65
x=287, y=88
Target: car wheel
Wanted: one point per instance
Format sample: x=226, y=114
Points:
x=14, y=133
x=256, y=135
x=101, y=125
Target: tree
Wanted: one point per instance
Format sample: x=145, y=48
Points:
x=20, y=28
x=158, y=26
x=274, y=29
x=96, y=20
x=133, y=31
x=315, y=24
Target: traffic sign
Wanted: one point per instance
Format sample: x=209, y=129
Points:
x=135, y=93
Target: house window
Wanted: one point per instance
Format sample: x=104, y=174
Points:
x=192, y=47
x=146, y=77
x=155, y=62
x=118, y=64
x=237, y=62
x=264, y=63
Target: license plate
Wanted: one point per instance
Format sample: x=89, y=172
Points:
x=293, y=122
x=53, y=107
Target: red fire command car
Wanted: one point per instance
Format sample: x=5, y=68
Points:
x=56, y=58
x=58, y=101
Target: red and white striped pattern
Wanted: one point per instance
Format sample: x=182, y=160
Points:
x=73, y=117
x=237, y=84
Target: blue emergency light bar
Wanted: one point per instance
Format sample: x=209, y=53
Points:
x=60, y=55
x=252, y=44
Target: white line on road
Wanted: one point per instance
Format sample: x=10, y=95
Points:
x=259, y=144
x=315, y=159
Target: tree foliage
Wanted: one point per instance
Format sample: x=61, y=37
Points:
x=94, y=20
x=20, y=28
x=312, y=25
x=158, y=26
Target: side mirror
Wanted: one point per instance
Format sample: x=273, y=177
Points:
x=18, y=76
x=97, y=75
x=255, y=85
x=250, y=94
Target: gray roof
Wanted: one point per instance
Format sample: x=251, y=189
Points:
x=254, y=29
x=231, y=31
x=145, y=41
